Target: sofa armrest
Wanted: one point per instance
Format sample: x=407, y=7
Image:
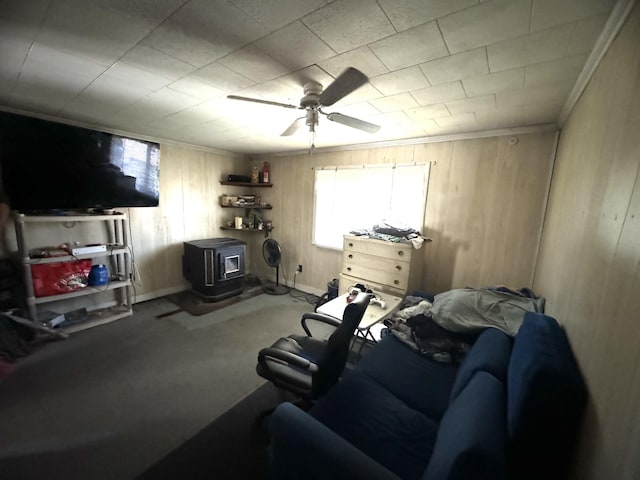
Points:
x=303, y=448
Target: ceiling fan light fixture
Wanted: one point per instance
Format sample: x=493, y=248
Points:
x=311, y=119
x=315, y=97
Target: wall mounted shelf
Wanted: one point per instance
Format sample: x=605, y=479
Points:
x=247, y=184
x=243, y=229
x=254, y=207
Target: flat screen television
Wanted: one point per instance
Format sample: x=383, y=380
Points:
x=47, y=166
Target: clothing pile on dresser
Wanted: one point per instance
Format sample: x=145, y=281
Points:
x=393, y=232
x=445, y=329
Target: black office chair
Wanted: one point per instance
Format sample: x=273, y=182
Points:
x=307, y=366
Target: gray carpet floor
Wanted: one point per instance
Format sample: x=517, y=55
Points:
x=110, y=401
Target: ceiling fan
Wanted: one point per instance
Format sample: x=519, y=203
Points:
x=315, y=98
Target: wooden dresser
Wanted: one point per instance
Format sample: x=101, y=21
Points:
x=384, y=266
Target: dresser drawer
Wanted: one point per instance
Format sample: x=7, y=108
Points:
x=384, y=277
x=377, y=247
x=353, y=261
x=347, y=281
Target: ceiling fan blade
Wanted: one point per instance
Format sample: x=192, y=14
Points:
x=257, y=100
x=353, y=122
x=347, y=82
x=294, y=127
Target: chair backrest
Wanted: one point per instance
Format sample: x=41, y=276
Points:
x=336, y=352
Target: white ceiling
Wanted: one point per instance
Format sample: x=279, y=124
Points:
x=163, y=68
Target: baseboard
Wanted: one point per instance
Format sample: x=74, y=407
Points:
x=307, y=289
x=143, y=297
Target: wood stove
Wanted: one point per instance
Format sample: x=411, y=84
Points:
x=215, y=267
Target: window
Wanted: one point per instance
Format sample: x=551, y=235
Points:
x=358, y=197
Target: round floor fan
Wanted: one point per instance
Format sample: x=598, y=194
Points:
x=272, y=254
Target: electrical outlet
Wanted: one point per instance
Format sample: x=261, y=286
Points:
x=299, y=269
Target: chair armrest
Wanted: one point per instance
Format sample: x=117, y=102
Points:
x=320, y=317
x=288, y=357
x=302, y=447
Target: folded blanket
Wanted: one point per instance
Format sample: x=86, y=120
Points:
x=470, y=310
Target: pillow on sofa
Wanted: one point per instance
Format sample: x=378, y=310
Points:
x=490, y=353
x=546, y=396
x=472, y=434
x=379, y=424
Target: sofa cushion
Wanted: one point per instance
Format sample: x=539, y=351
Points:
x=545, y=399
x=490, y=353
x=420, y=382
x=300, y=447
x=379, y=424
x=472, y=434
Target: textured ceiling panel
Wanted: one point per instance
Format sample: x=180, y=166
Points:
x=549, y=13
x=196, y=88
x=163, y=68
x=405, y=14
x=440, y=93
x=348, y=24
x=485, y=24
x=309, y=49
x=157, y=62
x=222, y=77
x=456, y=67
x=274, y=14
x=254, y=63
x=205, y=30
x=411, y=47
x=494, y=82
x=531, y=48
x=401, y=101
x=399, y=81
x=361, y=58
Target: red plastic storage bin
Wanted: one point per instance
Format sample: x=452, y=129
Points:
x=57, y=278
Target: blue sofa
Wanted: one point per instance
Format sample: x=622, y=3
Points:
x=510, y=410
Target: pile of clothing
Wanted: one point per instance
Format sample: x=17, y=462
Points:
x=393, y=233
x=445, y=329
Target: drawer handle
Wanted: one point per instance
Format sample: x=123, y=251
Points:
x=400, y=253
x=350, y=256
x=396, y=282
x=348, y=269
x=398, y=267
x=350, y=244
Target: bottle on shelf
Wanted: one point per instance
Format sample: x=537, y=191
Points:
x=265, y=173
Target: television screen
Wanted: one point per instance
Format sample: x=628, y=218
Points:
x=50, y=166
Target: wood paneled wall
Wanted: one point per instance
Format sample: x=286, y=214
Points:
x=589, y=268
x=189, y=191
x=484, y=211
x=485, y=208
x=189, y=210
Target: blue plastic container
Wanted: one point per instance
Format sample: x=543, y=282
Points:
x=98, y=276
